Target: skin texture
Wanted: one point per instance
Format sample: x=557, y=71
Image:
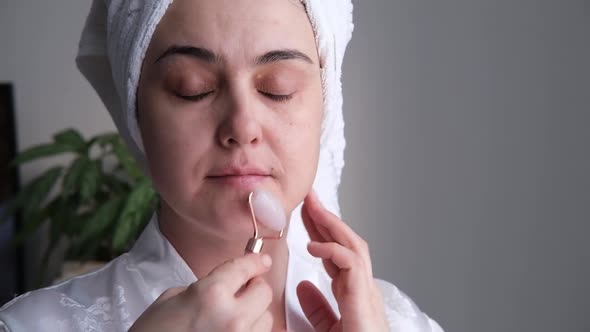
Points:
x=230, y=106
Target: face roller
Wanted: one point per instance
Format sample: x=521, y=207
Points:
x=270, y=212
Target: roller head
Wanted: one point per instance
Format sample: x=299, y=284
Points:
x=268, y=210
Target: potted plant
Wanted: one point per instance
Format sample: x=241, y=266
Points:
x=99, y=201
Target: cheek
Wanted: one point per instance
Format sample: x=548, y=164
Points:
x=172, y=145
x=300, y=154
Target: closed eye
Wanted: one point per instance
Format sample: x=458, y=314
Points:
x=279, y=98
x=197, y=97
x=274, y=97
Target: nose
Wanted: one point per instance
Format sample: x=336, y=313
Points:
x=240, y=124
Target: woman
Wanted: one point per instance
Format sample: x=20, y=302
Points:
x=217, y=99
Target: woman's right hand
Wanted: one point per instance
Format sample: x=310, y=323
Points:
x=232, y=297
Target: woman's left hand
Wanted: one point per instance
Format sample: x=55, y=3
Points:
x=345, y=256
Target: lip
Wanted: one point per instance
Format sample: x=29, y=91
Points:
x=239, y=171
x=247, y=181
x=239, y=177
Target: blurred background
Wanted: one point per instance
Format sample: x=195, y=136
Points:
x=468, y=149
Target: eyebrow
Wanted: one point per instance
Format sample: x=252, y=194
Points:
x=278, y=55
x=210, y=57
x=197, y=52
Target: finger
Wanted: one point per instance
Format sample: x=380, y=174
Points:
x=263, y=323
x=255, y=298
x=330, y=222
x=351, y=268
x=237, y=272
x=329, y=266
x=337, y=229
x=315, y=307
x=341, y=256
x=315, y=233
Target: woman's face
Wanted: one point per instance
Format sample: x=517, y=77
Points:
x=230, y=87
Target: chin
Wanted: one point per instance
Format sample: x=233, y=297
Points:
x=229, y=217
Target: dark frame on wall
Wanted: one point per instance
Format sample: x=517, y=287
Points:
x=11, y=258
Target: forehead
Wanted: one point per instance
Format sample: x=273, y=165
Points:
x=236, y=30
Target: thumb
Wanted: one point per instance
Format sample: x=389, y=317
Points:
x=316, y=307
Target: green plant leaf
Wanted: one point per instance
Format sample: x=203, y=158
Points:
x=31, y=225
x=45, y=262
x=31, y=200
x=100, y=221
x=72, y=138
x=42, y=150
x=72, y=178
x=103, y=140
x=76, y=224
x=59, y=212
x=113, y=184
x=139, y=203
x=89, y=180
x=38, y=190
x=56, y=213
x=127, y=160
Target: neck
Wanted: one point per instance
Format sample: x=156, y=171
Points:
x=203, y=250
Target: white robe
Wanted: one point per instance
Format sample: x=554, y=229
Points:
x=113, y=297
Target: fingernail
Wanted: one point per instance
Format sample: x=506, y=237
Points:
x=266, y=260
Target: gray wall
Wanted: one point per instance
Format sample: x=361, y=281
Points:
x=38, y=43
x=468, y=161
